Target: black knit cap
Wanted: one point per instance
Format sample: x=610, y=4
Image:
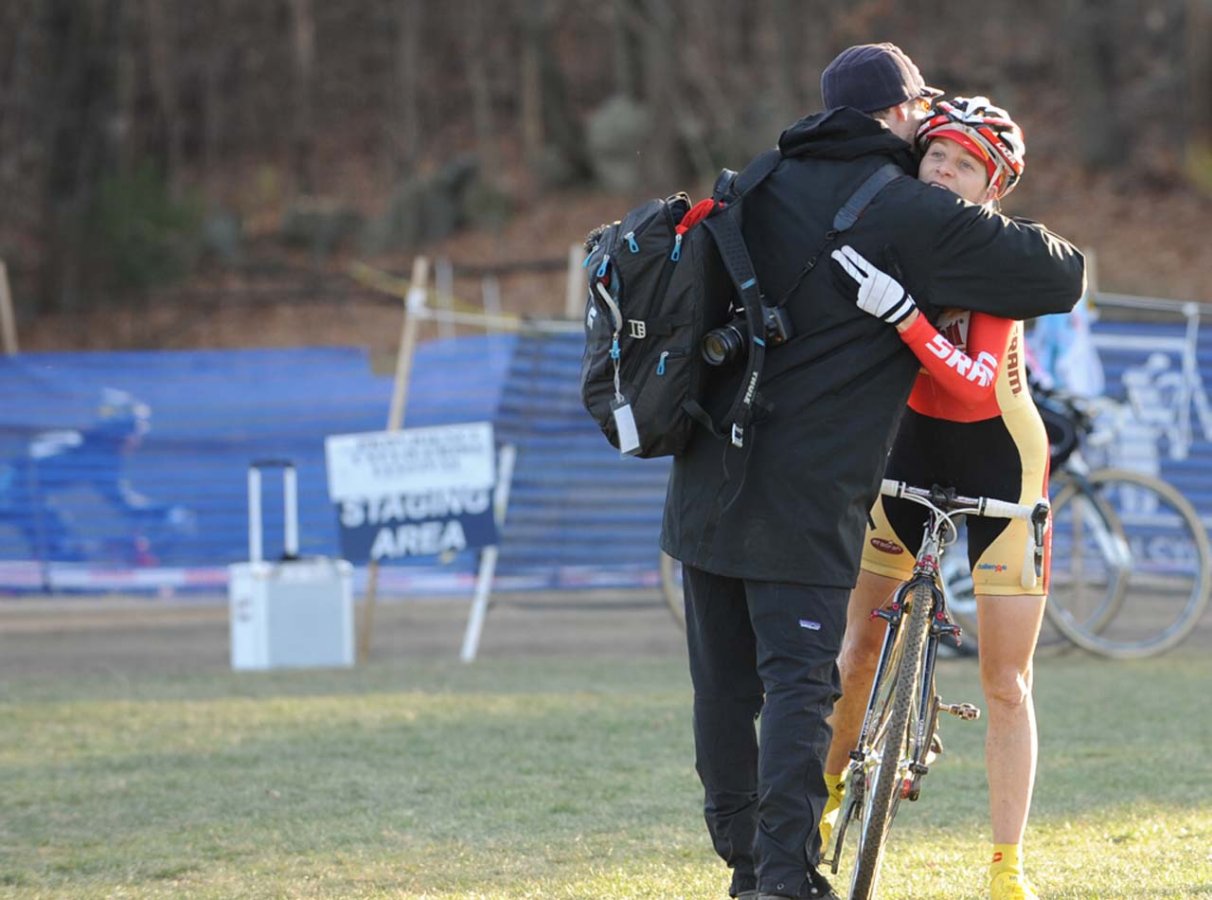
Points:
x=871, y=77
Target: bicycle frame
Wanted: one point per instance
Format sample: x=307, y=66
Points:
x=926, y=570
x=895, y=739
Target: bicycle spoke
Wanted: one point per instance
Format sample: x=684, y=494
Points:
x=1158, y=547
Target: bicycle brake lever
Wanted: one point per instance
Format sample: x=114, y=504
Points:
x=1039, y=523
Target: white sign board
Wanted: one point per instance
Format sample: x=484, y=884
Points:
x=418, y=492
x=410, y=462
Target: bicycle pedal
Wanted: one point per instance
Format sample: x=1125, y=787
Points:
x=965, y=711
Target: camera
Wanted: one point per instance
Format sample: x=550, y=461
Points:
x=729, y=342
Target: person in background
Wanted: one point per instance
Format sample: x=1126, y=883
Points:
x=973, y=426
x=93, y=458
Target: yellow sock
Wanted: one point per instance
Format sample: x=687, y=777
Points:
x=1006, y=858
x=834, y=783
x=832, y=805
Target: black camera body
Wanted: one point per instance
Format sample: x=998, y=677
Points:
x=730, y=341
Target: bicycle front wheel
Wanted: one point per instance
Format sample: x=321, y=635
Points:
x=1157, y=555
x=890, y=751
x=1090, y=559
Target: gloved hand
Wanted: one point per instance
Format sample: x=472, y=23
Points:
x=879, y=293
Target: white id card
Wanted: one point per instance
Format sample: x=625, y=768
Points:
x=624, y=423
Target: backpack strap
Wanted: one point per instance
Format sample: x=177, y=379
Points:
x=844, y=219
x=730, y=242
x=730, y=186
x=735, y=255
x=853, y=208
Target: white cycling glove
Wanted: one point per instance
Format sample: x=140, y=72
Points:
x=879, y=293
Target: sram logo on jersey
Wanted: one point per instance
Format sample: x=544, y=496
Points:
x=886, y=546
x=980, y=370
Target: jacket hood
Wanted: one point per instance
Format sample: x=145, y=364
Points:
x=845, y=133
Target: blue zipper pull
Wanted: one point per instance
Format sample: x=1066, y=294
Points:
x=677, y=248
x=614, y=348
x=629, y=237
x=661, y=362
x=602, y=267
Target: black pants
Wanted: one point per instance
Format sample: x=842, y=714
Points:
x=767, y=648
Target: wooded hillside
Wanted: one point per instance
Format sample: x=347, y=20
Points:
x=154, y=152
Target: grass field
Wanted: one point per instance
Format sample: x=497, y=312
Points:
x=541, y=774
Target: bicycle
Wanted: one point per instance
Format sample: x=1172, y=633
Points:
x=897, y=740
x=1132, y=564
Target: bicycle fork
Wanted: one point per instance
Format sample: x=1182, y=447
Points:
x=926, y=743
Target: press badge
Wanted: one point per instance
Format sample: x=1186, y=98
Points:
x=624, y=424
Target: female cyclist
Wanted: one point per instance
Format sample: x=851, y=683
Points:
x=971, y=424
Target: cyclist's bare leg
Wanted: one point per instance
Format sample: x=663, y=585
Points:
x=856, y=663
x=1008, y=628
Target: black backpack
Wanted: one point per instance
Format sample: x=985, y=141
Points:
x=659, y=280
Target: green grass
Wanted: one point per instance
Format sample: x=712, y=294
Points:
x=546, y=778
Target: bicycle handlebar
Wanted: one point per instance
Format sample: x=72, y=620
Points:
x=948, y=503
x=955, y=503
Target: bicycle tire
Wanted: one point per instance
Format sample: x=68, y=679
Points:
x=671, y=589
x=1171, y=559
x=958, y=586
x=1089, y=558
x=881, y=796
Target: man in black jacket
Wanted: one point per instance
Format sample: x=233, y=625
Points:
x=769, y=534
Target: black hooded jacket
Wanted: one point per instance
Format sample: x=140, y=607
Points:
x=791, y=505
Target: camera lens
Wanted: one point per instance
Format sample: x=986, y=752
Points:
x=723, y=345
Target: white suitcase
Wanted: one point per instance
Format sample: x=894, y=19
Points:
x=294, y=612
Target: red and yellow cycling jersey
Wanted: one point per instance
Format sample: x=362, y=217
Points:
x=973, y=426
x=973, y=366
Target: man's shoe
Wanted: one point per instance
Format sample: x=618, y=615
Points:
x=819, y=887
x=747, y=895
x=1011, y=886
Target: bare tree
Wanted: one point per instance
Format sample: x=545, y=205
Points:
x=628, y=20
x=480, y=85
x=161, y=56
x=552, y=135
x=404, y=127
x=1199, y=86
x=77, y=111
x=1088, y=31
x=303, y=45
x=661, y=95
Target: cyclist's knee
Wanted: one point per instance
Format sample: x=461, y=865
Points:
x=1005, y=686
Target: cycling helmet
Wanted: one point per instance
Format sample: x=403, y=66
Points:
x=122, y=414
x=984, y=130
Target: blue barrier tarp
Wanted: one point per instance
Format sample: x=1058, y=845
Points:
x=579, y=515
x=139, y=459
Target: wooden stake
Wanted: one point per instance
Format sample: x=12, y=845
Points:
x=574, y=288
x=413, y=309
x=8, y=321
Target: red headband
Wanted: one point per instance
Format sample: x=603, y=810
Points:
x=965, y=140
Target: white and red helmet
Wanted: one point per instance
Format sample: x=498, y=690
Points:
x=986, y=131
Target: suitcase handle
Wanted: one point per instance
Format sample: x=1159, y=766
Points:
x=290, y=495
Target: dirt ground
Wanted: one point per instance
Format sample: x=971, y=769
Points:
x=124, y=636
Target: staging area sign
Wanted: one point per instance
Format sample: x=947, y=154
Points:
x=411, y=493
